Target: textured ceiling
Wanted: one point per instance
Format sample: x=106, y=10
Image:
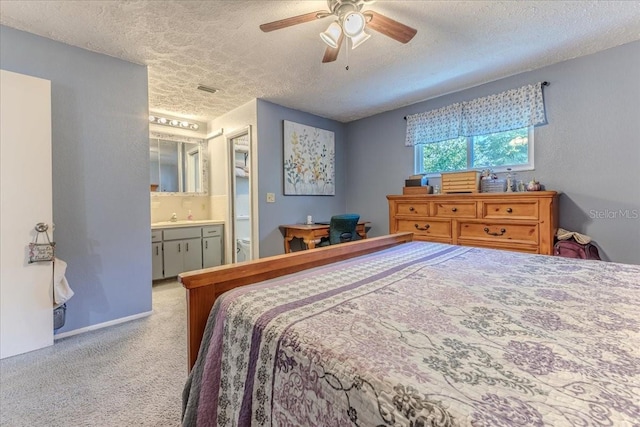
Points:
x=459, y=44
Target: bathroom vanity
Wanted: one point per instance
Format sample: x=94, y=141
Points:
x=182, y=246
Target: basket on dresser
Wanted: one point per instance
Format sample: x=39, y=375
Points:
x=493, y=185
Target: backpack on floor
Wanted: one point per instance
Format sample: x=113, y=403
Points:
x=572, y=249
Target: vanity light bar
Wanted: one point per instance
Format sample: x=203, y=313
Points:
x=173, y=122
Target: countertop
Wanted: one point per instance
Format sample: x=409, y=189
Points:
x=185, y=223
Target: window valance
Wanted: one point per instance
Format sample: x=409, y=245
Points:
x=435, y=125
x=512, y=109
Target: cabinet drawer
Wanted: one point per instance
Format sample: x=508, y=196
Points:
x=498, y=231
x=425, y=227
x=156, y=235
x=455, y=209
x=514, y=210
x=212, y=230
x=417, y=208
x=181, y=233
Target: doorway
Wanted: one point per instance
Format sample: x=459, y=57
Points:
x=241, y=205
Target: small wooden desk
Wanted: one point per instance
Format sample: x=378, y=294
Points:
x=311, y=233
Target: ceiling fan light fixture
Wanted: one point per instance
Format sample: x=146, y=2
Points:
x=359, y=39
x=332, y=34
x=350, y=22
x=353, y=23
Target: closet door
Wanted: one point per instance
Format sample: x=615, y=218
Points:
x=26, y=300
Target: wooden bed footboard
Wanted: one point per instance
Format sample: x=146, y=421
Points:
x=204, y=286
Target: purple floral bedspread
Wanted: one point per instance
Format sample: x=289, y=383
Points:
x=426, y=334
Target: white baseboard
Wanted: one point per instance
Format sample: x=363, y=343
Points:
x=102, y=325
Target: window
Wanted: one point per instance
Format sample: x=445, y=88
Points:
x=471, y=134
x=497, y=151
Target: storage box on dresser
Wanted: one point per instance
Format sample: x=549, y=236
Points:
x=525, y=222
x=460, y=182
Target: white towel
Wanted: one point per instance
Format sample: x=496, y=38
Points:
x=61, y=289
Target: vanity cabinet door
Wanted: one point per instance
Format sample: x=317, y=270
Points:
x=192, y=255
x=182, y=255
x=186, y=249
x=211, y=251
x=172, y=256
x=156, y=261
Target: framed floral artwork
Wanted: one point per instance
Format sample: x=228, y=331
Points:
x=309, y=160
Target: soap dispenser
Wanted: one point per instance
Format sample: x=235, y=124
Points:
x=190, y=216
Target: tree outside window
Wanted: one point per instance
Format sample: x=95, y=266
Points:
x=495, y=151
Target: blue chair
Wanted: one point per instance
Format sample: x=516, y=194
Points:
x=342, y=228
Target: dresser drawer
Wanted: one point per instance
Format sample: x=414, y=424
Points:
x=454, y=209
x=417, y=208
x=156, y=235
x=426, y=227
x=498, y=231
x=510, y=210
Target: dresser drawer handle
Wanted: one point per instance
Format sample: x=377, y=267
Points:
x=454, y=209
x=411, y=209
x=509, y=210
x=502, y=231
x=426, y=227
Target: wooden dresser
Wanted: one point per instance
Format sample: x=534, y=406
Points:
x=525, y=222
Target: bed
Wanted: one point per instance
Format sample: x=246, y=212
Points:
x=388, y=331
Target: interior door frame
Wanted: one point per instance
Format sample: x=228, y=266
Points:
x=191, y=175
x=253, y=210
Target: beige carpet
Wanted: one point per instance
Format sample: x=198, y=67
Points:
x=125, y=375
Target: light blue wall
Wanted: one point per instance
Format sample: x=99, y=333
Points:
x=100, y=173
x=589, y=150
x=292, y=209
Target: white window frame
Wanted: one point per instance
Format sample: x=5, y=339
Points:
x=417, y=157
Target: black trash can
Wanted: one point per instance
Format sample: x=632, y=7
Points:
x=59, y=314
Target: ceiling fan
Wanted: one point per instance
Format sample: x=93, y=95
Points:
x=351, y=22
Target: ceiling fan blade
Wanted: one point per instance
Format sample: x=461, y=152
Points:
x=331, y=54
x=389, y=27
x=294, y=20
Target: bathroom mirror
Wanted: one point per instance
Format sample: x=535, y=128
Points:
x=178, y=164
